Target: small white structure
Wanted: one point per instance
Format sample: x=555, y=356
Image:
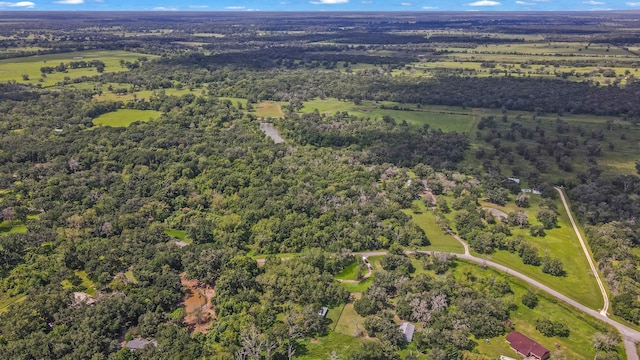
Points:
x=515, y=180
x=323, y=312
x=408, y=329
x=140, y=343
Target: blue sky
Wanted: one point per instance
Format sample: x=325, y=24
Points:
x=322, y=5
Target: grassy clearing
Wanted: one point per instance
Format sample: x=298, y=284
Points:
x=14, y=69
x=350, y=323
x=562, y=243
x=129, y=275
x=582, y=327
x=322, y=347
x=178, y=234
x=107, y=95
x=124, y=117
x=269, y=109
x=349, y=273
x=12, y=228
x=5, y=302
x=90, y=287
x=439, y=239
x=436, y=117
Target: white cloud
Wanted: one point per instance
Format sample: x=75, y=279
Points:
x=24, y=4
x=484, y=3
x=633, y=4
x=592, y=2
x=198, y=6
x=366, y=2
x=329, y=2
x=70, y=2
x=235, y=7
x=164, y=8
x=525, y=3
x=406, y=4
x=429, y=7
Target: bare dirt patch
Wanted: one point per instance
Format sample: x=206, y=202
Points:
x=197, y=302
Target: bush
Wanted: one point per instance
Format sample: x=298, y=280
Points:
x=550, y=328
x=530, y=299
x=365, y=306
x=552, y=267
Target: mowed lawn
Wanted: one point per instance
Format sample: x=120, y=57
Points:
x=124, y=117
x=561, y=243
x=582, y=327
x=14, y=69
x=439, y=239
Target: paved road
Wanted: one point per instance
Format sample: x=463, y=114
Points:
x=629, y=335
x=605, y=308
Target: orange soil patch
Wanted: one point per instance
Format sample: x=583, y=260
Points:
x=198, y=304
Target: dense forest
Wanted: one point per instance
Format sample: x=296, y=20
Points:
x=103, y=227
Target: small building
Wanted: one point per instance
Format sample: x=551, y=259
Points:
x=408, y=329
x=527, y=347
x=514, y=179
x=323, y=312
x=140, y=343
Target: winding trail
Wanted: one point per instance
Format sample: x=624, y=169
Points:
x=605, y=297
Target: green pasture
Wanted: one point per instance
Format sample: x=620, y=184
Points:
x=124, y=117
x=269, y=109
x=624, y=137
x=106, y=95
x=14, y=69
x=562, y=243
x=553, y=48
x=582, y=327
x=439, y=239
x=472, y=67
x=435, y=117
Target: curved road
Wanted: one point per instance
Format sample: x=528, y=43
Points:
x=629, y=336
x=605, y=308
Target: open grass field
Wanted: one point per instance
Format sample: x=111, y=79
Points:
x=436, y=117
x=623, y=136
x=562, y=243
x=14, y=69
x=269, y=109
x=582, y=328
x=124, y=117
x=439, y=239
x=106, y=95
